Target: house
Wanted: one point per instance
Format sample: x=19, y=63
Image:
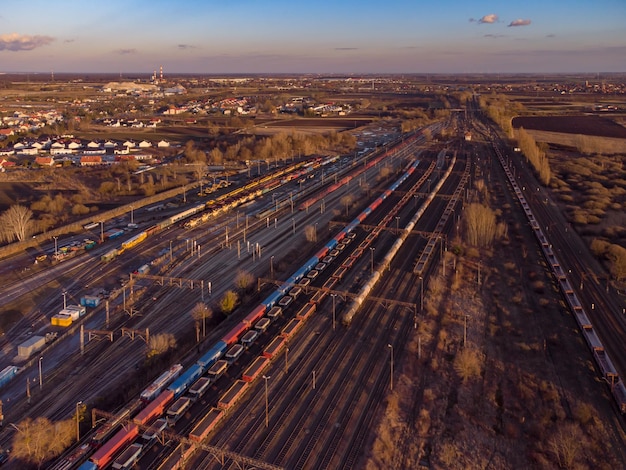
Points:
x=145, y=144
x=44, y=161
x=129, y=144
x=6, y=164
x=163, y=143
x=90, y=160
x=6, y=132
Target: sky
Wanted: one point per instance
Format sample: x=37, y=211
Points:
x=318, y=36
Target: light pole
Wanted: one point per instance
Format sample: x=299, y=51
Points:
x=286, y=360
x=78, y=421
x=56, y=251
x=132, y=215
x=266, y=378
x=333, y=296
x=170, y=251
x=101, y=231
x=397, y=224
x=372, y=259
x=272, y=267
x=391, y=368
x=40, y=375
x=64, y=300
x=421, y=294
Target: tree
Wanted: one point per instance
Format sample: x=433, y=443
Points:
x=229, y=302
x=16, y=223
x=200, y=312
x=480, y=222
x=467, y=364
x=243, y=280
x=567, y=444
x=37, y=441
x=346, y=201
x=160, y=343
x=310, y=233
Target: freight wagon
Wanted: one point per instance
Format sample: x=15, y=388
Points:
x=228, y=399
x=206, y=425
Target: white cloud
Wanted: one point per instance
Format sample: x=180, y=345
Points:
x=22, y=42
x=491, y=18
x=519, y=22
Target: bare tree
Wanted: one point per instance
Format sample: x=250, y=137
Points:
x=243, y=280
x=567, y=444
x=310, y=233
x=37, y=441
x=346, y=201
x=201, y=312
x=16, y=223
x=160, y=343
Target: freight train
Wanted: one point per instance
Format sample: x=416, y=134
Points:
x=159, y=405
x=217, y=206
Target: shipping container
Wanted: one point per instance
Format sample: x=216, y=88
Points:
x=213, y=354
x=233, y=335
x=185, y=380
x=61, y=320
x=104, y=454
x=255, y=369
x=155, y=408
x=206, y=425
x=31, y=346
x=254, y=315
x=90, y=300
x=7, y=374
x=228, y=399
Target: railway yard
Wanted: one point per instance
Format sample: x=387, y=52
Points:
x=341, y=323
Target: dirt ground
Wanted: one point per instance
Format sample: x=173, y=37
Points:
x=531, y=397
x=587, y=125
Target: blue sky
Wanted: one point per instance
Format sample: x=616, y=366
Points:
x=323, y=36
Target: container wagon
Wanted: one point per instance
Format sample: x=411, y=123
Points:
x=234, y=352
x=292, y=327
x=206, y=425
x=262, y=324
x=200, y=387
x=255, y=369
x=128, y=458
x=274, y=347
x=177, y=410
x=228, y=399
x=217, y=370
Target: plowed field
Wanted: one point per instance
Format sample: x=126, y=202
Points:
x=586, y=125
